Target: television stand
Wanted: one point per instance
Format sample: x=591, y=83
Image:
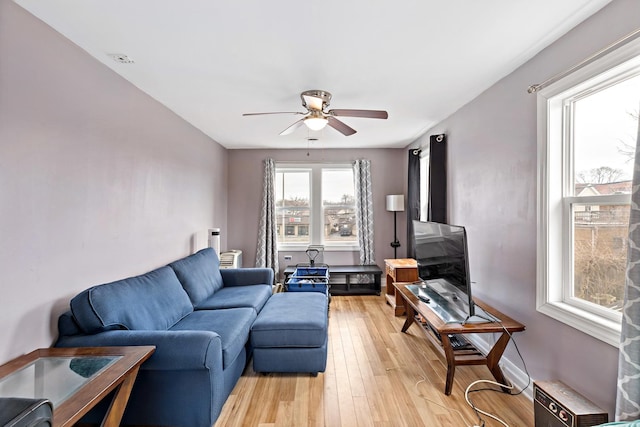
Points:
x=437, y=332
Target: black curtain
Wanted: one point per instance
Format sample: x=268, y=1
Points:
x=437, y=203
x=413, y=198
x=437, y=186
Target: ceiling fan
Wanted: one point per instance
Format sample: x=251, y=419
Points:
x=316, y=117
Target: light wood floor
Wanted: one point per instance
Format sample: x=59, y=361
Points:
x=376, y=376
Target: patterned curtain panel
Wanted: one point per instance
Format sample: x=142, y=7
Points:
x=628, y=397
x=267, y=252
x=364, y=211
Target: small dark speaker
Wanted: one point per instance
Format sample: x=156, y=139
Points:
x=557, y=405
x=19, y=412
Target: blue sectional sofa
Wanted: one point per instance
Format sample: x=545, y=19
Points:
x=199, y=318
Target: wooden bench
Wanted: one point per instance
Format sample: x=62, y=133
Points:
x=342, y=281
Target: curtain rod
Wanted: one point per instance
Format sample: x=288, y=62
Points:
x=624, y=40
x=316, y=162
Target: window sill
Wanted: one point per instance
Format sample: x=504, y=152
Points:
x=327, y=248
x=596, y=326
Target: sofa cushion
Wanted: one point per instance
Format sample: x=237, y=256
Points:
x=254, y=296
x=233, y=326
x=292, y=319
x=152, y=301
x=199, y=274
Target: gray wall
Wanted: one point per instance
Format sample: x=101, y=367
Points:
x=246, y=170
x=97, y=180
x=492, y=191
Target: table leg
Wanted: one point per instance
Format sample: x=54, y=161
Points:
x=451, y=363
x=119, y=403
x=401, y=305
x=493, y=359
x=411, y=314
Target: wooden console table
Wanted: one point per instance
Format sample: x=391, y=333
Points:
x=75, y=379
x=399, y=270
x=349, y=287
x=437, y=331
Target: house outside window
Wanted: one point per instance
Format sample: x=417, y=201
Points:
x=317, y=203
x=588, y=124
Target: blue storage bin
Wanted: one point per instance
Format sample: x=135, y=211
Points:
x=307, y=285
x=313, y=272
x=309, y=279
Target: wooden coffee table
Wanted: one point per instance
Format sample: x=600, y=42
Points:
x=75, y=379
x=437, y=331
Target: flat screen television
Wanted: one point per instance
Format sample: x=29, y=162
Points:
x=443, y=265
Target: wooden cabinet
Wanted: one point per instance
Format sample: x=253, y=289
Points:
x=399, y=270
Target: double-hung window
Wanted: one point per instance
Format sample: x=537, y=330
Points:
x=587, y=130
x=315, y=205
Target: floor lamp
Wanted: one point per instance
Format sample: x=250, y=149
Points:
x=395, y=203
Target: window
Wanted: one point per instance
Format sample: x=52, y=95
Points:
x=588, y=124
x=315, y=205
x=424, y=185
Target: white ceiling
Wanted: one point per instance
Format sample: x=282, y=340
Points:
x=211, y=60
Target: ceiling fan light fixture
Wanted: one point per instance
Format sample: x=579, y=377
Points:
x=316, y=123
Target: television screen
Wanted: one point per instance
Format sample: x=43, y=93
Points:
x=443, y=262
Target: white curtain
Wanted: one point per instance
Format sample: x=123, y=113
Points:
x=364, y=211
x=267, y=252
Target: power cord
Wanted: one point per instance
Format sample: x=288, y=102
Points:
x=480, y=411
x=423, y=380
x=510, y=387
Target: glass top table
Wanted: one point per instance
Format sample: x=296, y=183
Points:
x=54, y=378
x=439, y=328
x=75, y=379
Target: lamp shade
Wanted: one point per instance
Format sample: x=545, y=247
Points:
x=395, y=202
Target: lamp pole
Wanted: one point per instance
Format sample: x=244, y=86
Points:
x=395, y=244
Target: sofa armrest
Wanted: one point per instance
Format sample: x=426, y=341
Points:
x=204, y=347
x=246, y=276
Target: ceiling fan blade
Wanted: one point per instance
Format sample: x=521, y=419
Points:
x=293, y=127
x=371, y=114
x=341, y=127
x=312, y=102
x=277, y=112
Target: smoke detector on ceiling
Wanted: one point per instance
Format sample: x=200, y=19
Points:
x=121, y=58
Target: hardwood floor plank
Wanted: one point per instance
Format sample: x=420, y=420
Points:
x=302, y=402
x=330, y=395
x=376, y=376
x=284, y=417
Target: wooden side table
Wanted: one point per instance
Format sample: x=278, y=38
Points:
x=75, y=379
x=399, y=270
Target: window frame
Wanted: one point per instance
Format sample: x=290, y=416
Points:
x=555, y=202
x=316, y=233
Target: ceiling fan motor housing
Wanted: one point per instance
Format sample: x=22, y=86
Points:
x=316, y=93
